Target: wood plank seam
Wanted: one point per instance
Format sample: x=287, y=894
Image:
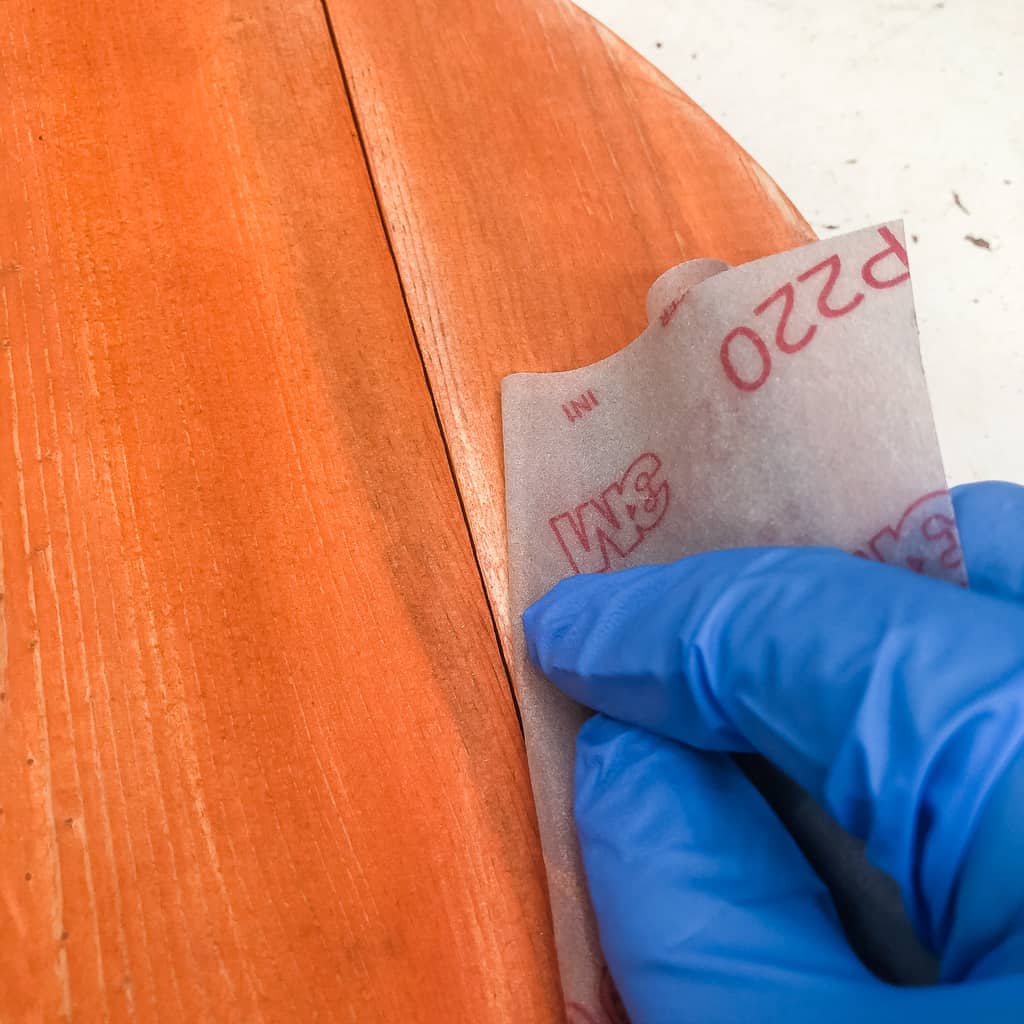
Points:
x=419, y=351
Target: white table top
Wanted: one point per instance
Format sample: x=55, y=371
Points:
x=863, y=112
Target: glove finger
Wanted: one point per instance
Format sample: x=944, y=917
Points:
x=990, y=518
x=703, y=901
x=897, y=701
x=986, y=938
x=707, y=910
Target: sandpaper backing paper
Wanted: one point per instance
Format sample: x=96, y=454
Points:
x=778, y=402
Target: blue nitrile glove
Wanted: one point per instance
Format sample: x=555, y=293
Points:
x=896, y=700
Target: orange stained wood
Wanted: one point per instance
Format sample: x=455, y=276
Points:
x=535, y=175
x=259, y=758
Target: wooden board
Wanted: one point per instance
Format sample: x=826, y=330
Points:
x=260, y=760
x=536, y=175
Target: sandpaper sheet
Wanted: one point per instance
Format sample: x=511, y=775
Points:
x=778, y=402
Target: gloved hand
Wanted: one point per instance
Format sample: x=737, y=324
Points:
x=896, y=700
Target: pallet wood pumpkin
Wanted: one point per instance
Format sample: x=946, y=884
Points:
x=262, y=267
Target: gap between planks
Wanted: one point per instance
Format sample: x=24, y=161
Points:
x=419, y=352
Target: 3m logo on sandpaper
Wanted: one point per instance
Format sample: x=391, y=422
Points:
x=617, y=520
x=924, y=540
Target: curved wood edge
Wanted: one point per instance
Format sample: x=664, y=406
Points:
x=536, y=175
x=260, y=761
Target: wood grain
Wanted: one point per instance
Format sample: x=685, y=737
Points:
x=535, y=175
x=259, y=758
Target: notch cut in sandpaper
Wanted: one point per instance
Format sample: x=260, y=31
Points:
x=779, y=402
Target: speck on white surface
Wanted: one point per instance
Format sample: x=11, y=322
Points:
x=866, y=110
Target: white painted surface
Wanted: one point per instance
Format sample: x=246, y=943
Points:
x=864, y=110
